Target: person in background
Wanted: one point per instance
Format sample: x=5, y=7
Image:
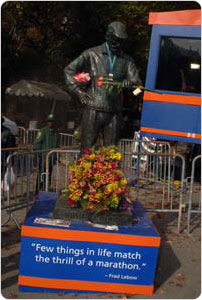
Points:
x=7, y=141
x=10, y=125
x=47, y=138
x=7, y=138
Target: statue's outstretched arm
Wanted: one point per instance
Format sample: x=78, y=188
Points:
x=132, y=78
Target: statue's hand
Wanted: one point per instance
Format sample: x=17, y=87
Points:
x=127, y=84
x=83, y=97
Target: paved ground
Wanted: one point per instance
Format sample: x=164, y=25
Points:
x=178, y=271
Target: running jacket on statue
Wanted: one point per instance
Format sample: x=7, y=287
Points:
x=95, y=61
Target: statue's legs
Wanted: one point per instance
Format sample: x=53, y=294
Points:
x=93, y=122
x=111, y=130
x=88, y=129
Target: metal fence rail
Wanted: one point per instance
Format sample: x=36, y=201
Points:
x=23, y=177
x=66, y=140
x=31, y=135
x=57, y=162
x=21, y=135
x=5, y=153
x=194, y=203
x=131, y=159
x=156, y=174
x=28, y=136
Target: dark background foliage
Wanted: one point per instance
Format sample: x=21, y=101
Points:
x=40, y=38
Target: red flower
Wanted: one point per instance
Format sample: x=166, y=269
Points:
x=100, y=81
x=116, y=178
x=70, y=201
x=101, y=158
x=114, y=165
x=82, y=77
x=88, y=151
x=92, y=190
x=71, y=177
x=95, y=171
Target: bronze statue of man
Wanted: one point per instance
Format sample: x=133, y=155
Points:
x=102, y=110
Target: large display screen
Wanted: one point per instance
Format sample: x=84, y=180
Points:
x=179, y=67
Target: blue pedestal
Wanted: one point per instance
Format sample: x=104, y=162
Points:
x=80, y=257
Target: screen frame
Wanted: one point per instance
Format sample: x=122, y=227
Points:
x=158, y=116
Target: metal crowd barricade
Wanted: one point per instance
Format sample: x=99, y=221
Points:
x=131, y=148
x=157, y=175
x=21, y=135
x=66, y=139
x=57, y=162
x=5, y=153
x=28, y=136
x=25, y=175
x=194, y=202
x=31, y=135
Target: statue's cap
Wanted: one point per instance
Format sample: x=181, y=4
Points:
x=118, y=29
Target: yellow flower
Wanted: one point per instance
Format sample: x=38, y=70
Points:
x=123, y=181
x=114, y=186
x=87, y=165
x=107, y=191
x=114, y=201
x=92, y=156
x=90, y=206
x=118, y=156
x=99, y=195
x=78, y=192
x=119, y=172
x=109, y=188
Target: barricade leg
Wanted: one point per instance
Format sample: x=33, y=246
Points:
x=193, y=190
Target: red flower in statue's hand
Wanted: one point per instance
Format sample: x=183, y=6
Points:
x=100, y=81
x=82, y=77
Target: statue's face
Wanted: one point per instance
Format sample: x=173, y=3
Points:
x=115, y=43
x=51, y=124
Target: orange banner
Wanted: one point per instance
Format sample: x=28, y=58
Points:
x=183, y=17
x=171, y=132
x=90, y=236
x=84, y=285
x=172, y=98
